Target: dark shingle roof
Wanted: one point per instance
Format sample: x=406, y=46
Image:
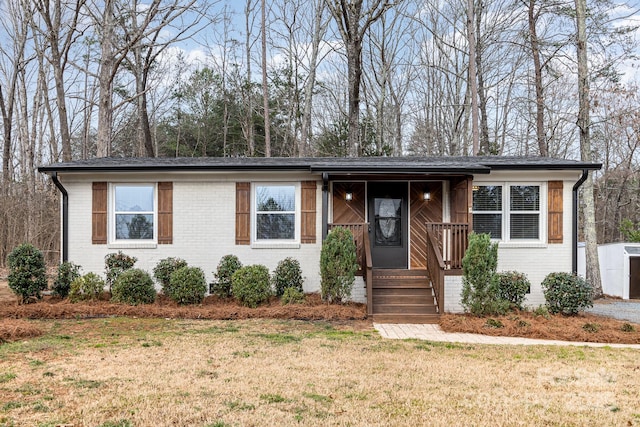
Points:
x=442, y=165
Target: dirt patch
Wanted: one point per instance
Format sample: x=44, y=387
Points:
x=583, y=327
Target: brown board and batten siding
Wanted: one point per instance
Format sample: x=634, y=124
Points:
x=423, y=212
x=307, y=207
x=349, y=212
x=99, y=213
x=554, y=215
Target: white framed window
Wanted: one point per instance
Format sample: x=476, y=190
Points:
x=509, y=212
x=276, y=212
x=133, y=213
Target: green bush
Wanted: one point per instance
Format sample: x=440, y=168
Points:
x=116, y=263
x=86, y=287
x=133, y=286
x=513, y=287
x=163, y=270
x=287, y=275
x=566, y=293
x=250, y=285
x=188, y=285
x=292, y=296
x=221, y=285
x=479, y=279
x=27, y=272
x=338, y=265
x=67, y=273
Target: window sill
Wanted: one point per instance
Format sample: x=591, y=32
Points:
x=275, y=245
x=127, y=245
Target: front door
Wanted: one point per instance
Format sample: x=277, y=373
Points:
x=388, y=232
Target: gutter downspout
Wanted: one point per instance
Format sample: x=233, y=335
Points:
x=325, y=205
x=574, y=224
x=65, y=216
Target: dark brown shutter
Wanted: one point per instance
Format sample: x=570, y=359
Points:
x=165, y=213
x=243, y=213
x=99, y=213
x=554, y=196
x=308, y=214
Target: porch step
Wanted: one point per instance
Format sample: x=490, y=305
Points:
x=402, y=296
x=406, y=318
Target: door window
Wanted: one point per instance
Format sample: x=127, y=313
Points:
x=388, y=224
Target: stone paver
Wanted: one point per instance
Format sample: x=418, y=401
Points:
x=435, y=333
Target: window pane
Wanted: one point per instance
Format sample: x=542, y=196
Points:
x=488, y=223
x=275, y=226
x=275, y=198
x=388, y=225
x=525, y=198
x=134, y=226
x=487, y=198
x=130, y=198
x=525, y=226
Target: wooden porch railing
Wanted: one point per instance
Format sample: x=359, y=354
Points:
x=452, y=240
x=436, y=268
x=358, y=230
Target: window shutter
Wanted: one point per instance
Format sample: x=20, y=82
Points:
x=99, y=213
x=308, y=214
x=165, y=213
x=554, y=190
x=243, y=213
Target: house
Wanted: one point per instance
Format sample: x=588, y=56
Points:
x=410, y=217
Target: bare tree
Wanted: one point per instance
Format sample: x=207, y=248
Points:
x=353, y=22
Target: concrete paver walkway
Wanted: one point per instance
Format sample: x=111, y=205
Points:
x=435, y=333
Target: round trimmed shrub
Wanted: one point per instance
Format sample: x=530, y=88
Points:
x=250, y=285
x=27, y=272
x=188, y=285
x=221, y=285
x=87, y=287
x=287, y=275
x=338, y=265
x=163, y=270
x=513, y=287
x=292, y=296
x=567, y=293
x=133, y=286
x=115, y=264
x=67, y=273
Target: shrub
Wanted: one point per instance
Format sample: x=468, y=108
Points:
x=250, y=285
x=116, y=263
x=479, y=279
x=292, y=296
x=566, y=293
x=513, y=287
x=27, y=272
x=67, y=273
x=221, y=285
x=287, y=275
x=627, y=327
x=338, y=265
x=133, y=286
x=188, y=285
x=163, y=270
x=543, y=311
x=86, y=287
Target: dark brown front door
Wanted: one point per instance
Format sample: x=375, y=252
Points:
x=388, y=213
x=634, y=277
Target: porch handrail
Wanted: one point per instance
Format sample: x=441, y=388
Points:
x=368, y=272
x=436, y=267
x=452, y=240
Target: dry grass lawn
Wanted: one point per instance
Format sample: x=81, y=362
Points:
x=160, y=372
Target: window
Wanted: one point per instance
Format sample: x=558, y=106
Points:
x=275, y=212
x=508, y=212
x=134, y=211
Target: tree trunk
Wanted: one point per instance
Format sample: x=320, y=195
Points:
x=591, y=239
x=473, y=87
x=265, y=87
x=105, y=80
x=537, y=67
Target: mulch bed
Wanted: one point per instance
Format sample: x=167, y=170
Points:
x=212, y=308
x=583, y=327
x=16, y=329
